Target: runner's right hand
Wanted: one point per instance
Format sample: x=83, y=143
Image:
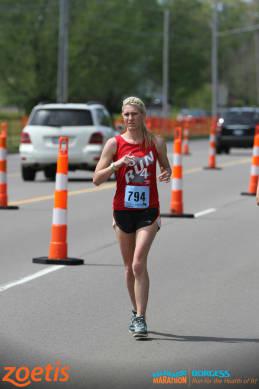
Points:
x=126, y=160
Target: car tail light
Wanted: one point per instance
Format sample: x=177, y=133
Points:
x=25, y=137
x=96, y=138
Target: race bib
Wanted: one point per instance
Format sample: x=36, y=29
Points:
x=136, y=196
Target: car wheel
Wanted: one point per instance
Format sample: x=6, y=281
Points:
x=50, y=173
x=226, y=150
x=218, y=150
x=28, y=173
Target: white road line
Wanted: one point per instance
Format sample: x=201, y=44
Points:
x=24, y=280
x=205, y=212
x=50, y=269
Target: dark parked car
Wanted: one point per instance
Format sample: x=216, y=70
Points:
x=236, y=128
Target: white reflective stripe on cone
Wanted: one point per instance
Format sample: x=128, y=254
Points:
x=3, y=154
x=61, y=181
x=59, y=216
x=212, y=151
x=254, y=170
x=3, y=178
x=212, y=138
x=256, y=151
x=177, y=184
x=177, y=160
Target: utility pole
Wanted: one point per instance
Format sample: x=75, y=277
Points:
x=166, y=62
x=214, y=58
x=62, y=76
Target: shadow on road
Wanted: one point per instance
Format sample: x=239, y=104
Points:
x=103, y=264
x=186, y=338
x=87, y=179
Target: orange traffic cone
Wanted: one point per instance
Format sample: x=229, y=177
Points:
x=3, y=169
x=58, y=244
x=176, y=206
x=212, y=147
x=254, y=170
x=186, y=150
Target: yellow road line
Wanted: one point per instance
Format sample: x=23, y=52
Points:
x=226, y=164
x=112, y=185
x=239, y=162
x=194, y=170
x=70, y=193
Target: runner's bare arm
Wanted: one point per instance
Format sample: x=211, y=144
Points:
x=104, y=170
x=163, y=160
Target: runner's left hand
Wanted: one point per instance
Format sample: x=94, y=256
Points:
x=165, y=175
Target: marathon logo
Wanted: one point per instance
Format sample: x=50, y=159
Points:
x=170, y=377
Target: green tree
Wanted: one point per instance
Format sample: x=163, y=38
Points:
x=28, y=46
x=115, y=50
x=112, y=49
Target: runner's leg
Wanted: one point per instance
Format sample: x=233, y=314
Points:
x=127, y=247
x=144, y=239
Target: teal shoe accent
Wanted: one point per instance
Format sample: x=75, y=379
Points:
x=140, y=327
x=131, y=325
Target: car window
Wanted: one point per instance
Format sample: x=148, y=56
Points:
x=103, y=117
x=241, y=117
x=61, y=117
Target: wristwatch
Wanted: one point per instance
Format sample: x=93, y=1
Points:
x=112, y=167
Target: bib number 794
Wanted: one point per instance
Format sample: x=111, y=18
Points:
x=136, y=196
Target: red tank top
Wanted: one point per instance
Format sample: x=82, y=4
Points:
x=136, y=185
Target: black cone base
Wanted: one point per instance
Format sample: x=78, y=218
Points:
x=67, y=261
x=10, y=207
x=247, y=194
x=186, y=215
x=212, y=168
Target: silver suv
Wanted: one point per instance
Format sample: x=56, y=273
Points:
x=88, y=126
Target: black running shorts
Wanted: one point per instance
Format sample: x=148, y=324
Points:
x=131, y=221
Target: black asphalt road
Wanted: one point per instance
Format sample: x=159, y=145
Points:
x=203, y=309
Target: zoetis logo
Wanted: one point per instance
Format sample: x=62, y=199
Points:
x=24, y=376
